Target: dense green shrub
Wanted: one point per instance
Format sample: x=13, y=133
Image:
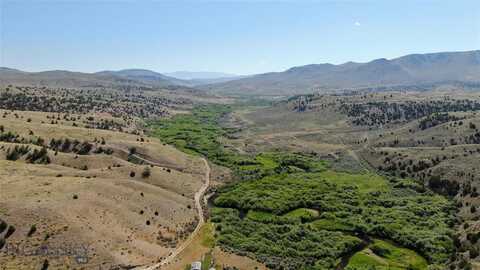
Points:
x=39, y=156
x=11, y=229
x=17, y=152
x=3, y=226
x=349, y=205
x=32, y=230
x=269, y=215
x=146, y=172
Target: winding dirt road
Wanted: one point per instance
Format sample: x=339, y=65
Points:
x=201, y=221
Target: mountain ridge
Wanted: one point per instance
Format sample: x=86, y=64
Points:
x=106, y=78
x=410, y=69
x=74, y=79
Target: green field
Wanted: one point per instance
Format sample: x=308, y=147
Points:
x=382, y=255
x=293, y=211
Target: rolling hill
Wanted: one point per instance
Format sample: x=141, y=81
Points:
x=146, y=76
x=107, y=79
x=429, y=70
x=414, y=69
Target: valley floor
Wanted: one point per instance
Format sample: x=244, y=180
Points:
x=331, y=184
x=319, y=216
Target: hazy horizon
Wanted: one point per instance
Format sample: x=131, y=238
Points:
x=170, y=73
x=236, y=37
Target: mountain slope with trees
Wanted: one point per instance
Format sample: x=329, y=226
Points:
x=428, y=70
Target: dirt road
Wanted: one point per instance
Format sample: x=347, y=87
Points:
x=201, y=221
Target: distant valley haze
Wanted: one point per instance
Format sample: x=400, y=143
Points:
x=426, y=71
x=191, y=75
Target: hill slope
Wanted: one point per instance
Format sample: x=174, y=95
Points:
x=108, y=79
x=145, y=76
x=412, y=69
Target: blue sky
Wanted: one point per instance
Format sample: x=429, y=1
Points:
x=241, y=37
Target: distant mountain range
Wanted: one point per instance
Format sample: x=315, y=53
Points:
x=414, y=69
x=108, y=79
x=201, y=78
x=113, y=79
x=145, y=76
x=199, y=75
x=409, y=70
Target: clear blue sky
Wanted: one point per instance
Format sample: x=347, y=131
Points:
x=241, y=37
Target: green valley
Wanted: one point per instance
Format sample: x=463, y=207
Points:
x=295, y=211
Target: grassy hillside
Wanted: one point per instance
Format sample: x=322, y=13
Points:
x=66, y=184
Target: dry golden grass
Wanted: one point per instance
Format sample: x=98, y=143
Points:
x=280, y=127
x=102, y=207
x=229, y=259
x=203, y=244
